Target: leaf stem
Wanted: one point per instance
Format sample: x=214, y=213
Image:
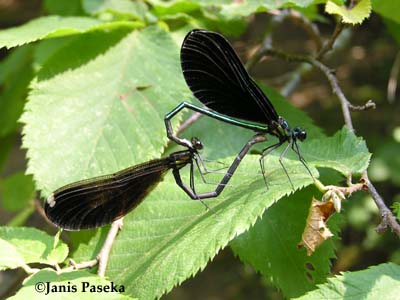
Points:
x=101, y=258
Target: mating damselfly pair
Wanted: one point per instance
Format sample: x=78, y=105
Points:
x=218, y=79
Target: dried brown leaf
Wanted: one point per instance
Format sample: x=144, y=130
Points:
x=316, y=231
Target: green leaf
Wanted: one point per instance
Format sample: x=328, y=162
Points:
x=10, y=66
x=63, y=8
x=394, y=29
x=164, y=8
x=355, y=15
x=72, y=285
x=171, y=233
x=45, y=49
x=6, y=146
x=396, y=209
x=44, y=27
x=16, y=191
x=104, y=115
x=16, y=73
x=89, y=251
x=135, y=9
x=175, y=237
x=386, y=163
x=343, y=152
x=33, y=245
x=9, y=256
x=270, y=246
x=227, y=8
x=245, y=8
x=387, y=9
x=78, y=238
x=377, y=282
x=61, y=55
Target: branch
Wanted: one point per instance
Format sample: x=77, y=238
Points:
x=189, y=121
x=388, y=219
x=368, y=105
x=337, y=90
x=346, y=105
x=102, y=258
x=329, y=45
x=78, y=266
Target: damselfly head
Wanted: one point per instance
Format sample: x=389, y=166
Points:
x=299, y=133
x=196, y=143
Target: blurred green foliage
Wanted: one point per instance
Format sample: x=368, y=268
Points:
x=84, y=65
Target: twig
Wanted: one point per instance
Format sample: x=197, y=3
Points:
x=189, y=121
x=102, y=257
x=77, y=266
x=329, y=44
x=266, y=40
x=341, y=191
x=337, y=90
x=388, y=219
x=348, y=190
x=266, y=43
x=368, y=105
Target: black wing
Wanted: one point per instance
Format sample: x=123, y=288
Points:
x=98, y=201
x=217, y=77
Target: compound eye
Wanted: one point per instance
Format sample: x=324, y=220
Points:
x=196, y=143
x=302, y=135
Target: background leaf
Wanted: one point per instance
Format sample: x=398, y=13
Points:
x=43, y=27
x=343, y=152
x=6, y=146
x=227, y=8
x=270, y=246
x=388, y=9
x=9, y=256
x=63, y=8
x=377, y=282
x=16, y=191
x=135, y=9
x=16, y=73
x=354, y=15
x=34, y=246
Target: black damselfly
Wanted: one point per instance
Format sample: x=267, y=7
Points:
x=98, y=201
x=217, y=78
